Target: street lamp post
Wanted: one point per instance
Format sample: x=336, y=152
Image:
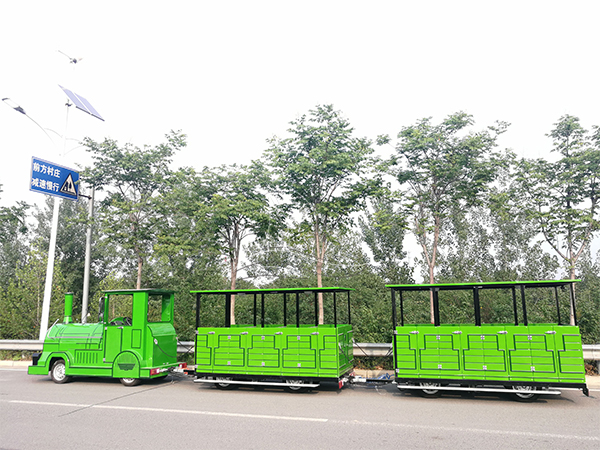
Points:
x=88, y=258
x=53, y=234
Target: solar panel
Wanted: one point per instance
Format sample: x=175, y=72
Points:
x=81, y=103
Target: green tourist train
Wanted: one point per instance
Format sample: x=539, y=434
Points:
x=497, y=337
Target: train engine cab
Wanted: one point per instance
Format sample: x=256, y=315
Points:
x=134, y=339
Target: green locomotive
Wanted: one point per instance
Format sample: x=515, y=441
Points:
x=133, y=340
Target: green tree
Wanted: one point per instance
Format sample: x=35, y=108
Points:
x=70, y=245
x=289, y=262
x=384, y=231
x=588, y=298
x=442, y=167
x=13, y=239
x=323, y=168
x=484, y=244
x=228, y=205
x=561, y=197
x=21, y=298
x=133, y=180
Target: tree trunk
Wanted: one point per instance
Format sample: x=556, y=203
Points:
x=235, y=247
x=233, y=283
x=320, y=253
x=320, y=294
x=431, y=257
x=571, y=303
x=139, y=272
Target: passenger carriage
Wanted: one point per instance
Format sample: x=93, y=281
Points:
x=522, y=353
x=280, y=343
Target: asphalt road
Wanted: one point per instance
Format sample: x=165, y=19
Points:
x=93, y=413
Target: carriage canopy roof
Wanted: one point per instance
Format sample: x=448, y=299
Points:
x=274, y=291
x=484, y=285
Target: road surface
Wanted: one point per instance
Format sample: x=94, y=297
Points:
x=93, y=413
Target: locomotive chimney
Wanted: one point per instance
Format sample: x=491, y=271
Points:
x=68, y=307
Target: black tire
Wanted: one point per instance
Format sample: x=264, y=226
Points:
x=525, y=394
x=292, y=386
x=223, y=384
x=130, y=381
x=57, y=373
x=429, y=390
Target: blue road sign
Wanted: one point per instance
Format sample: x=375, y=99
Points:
x=53, y=179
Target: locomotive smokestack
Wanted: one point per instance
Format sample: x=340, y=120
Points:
x=68, y=307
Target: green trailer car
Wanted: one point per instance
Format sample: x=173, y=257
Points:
x=133, y=340
x=511, y=335
x=279, y=341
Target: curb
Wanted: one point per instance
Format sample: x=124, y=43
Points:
x=15, y=364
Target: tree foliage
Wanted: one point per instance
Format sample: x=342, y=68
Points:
x=443, y=167
x=561, y=197
x=473, y=215
x=132, y=178
x=21, y=298
x=230, y=205
x=323, y=169
x=13, y=238
x=384, y=231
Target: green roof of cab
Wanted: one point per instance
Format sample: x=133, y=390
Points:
x=482, y=285
x=150, y=291
x=274, y=291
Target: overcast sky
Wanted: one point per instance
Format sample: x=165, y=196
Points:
x=231, y=74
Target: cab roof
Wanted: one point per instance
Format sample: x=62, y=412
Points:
x=149, y=291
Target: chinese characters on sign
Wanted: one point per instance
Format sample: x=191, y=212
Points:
x=53, y=179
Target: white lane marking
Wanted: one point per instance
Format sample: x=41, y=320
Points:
x=175, y=411
x=212, y=413
x=28, y=402
x=471, y=430
x=332, y=421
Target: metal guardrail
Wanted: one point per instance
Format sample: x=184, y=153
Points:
x=21, y=344
x=590, y=352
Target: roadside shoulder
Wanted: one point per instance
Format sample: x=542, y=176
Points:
x=14, y=364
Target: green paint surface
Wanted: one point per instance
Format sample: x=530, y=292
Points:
x=110, y=350
x=545, y=352
x=286, y=351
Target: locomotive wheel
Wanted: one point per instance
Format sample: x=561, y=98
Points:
x=130, y=381
x=525, y=393
x=223, y=383
x=429, y=390
x=57, y=373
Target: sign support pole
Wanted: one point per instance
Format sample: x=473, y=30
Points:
x=52, y=250
x=88, y=258
x=49, y=271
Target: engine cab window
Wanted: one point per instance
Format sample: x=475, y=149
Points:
x=159, y=308
x=120, y=309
